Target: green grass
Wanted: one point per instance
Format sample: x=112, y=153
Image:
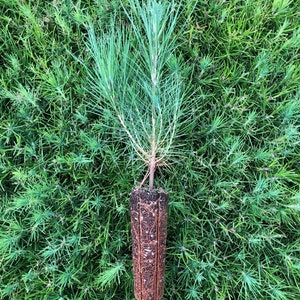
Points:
x=66, y=172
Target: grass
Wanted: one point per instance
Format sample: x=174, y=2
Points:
x=66, y=172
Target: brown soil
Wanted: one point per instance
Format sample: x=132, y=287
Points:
x=149, y=231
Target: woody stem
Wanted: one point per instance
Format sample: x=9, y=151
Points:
x=152, y=158
x=151, y=173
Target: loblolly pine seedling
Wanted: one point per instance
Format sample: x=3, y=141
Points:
x=136, y=82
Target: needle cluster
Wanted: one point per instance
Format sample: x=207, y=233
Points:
x=137, y=76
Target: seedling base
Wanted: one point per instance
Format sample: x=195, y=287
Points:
x=149, y=231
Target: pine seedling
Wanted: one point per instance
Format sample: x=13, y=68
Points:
x=136, y=79
x=133, y=85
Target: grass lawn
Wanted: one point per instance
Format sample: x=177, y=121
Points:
x=67, y=164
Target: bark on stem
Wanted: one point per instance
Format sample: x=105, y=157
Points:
x=151, y=173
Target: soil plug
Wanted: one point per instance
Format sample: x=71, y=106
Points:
x=149, y=231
